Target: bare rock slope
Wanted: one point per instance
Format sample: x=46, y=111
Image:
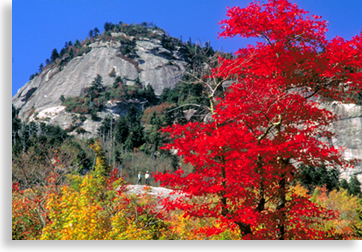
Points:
x=158, y=193
x=38, y=99
x=152, y=65
x=349, y=133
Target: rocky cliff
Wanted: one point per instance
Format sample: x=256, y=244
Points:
x=349, y=133
x=152, y=64
x=39, y=99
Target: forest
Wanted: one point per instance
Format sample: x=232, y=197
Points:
x=238, y=140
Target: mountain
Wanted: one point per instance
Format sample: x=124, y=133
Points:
x=133, y=57
x=144, y=62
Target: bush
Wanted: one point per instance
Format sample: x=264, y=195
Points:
x=159, y=109
x=112, y=73
x=346, y=205
x=94, y=115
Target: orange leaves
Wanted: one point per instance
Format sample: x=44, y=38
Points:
x=92, y=208
x=346, y=205
x=158, y=109
x=29, y=214
x=26, y=224
x=244, y=159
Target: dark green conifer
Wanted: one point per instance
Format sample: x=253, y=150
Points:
x=41, y=68
x=95, y=32
x=121, y=130
x=344, y=184
x=354, y=186
x=90, y=34
x=54, y=55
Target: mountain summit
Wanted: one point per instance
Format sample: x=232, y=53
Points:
x=135, y=55
x=91, y=80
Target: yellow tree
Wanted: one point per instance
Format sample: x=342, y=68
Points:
x=94, y=208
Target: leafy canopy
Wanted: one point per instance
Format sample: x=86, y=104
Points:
x=247, y=157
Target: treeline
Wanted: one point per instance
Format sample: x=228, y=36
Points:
x=138, y=131
x=131, y=143
x=70, y=50
x=312, y=177
x=60, y=59
x=189, y=49
x=97, y=207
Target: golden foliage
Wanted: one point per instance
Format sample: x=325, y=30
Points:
x=96, y=207
x=346, y=205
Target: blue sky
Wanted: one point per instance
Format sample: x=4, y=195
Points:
x=39, y=26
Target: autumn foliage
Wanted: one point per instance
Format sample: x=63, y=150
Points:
x=245, y=159
x=92, y=207
x=97, y=207
x=267, y=124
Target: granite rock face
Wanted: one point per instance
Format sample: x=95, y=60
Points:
x=152, y=65
x=349, y=133
x=38, y=99
x=158, y=193
x=58, y=116
x=159, y=67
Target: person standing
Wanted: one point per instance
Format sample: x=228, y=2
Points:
x=139, y=178
x=147, y=177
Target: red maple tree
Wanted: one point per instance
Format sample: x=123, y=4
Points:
x=268, y=123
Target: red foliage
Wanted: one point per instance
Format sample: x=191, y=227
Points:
x=29, y=214
x=160, y=109
x=246, y=158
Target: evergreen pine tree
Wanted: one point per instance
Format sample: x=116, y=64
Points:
x=117, y=82
x=327, y=177
x=54, y=55
x=156, y=140
x=105, y=127
x=90, y=34
x=319, y=176
x=41, y=68
x=149, y=94
x=137, y=137
x=133, y=117
x=71, y=53
x=16, y=124
x=153, y=118
x=108, y=26
x=95, y=32
x=128, y=145
x=98, y=83
x=76, y=43
x=121, y=130
x=165, y=95
x=344, y=184
x=354, y=186
x=62, y=52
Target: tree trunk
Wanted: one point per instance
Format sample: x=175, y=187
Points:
x=281, y=207
x=261, y=203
